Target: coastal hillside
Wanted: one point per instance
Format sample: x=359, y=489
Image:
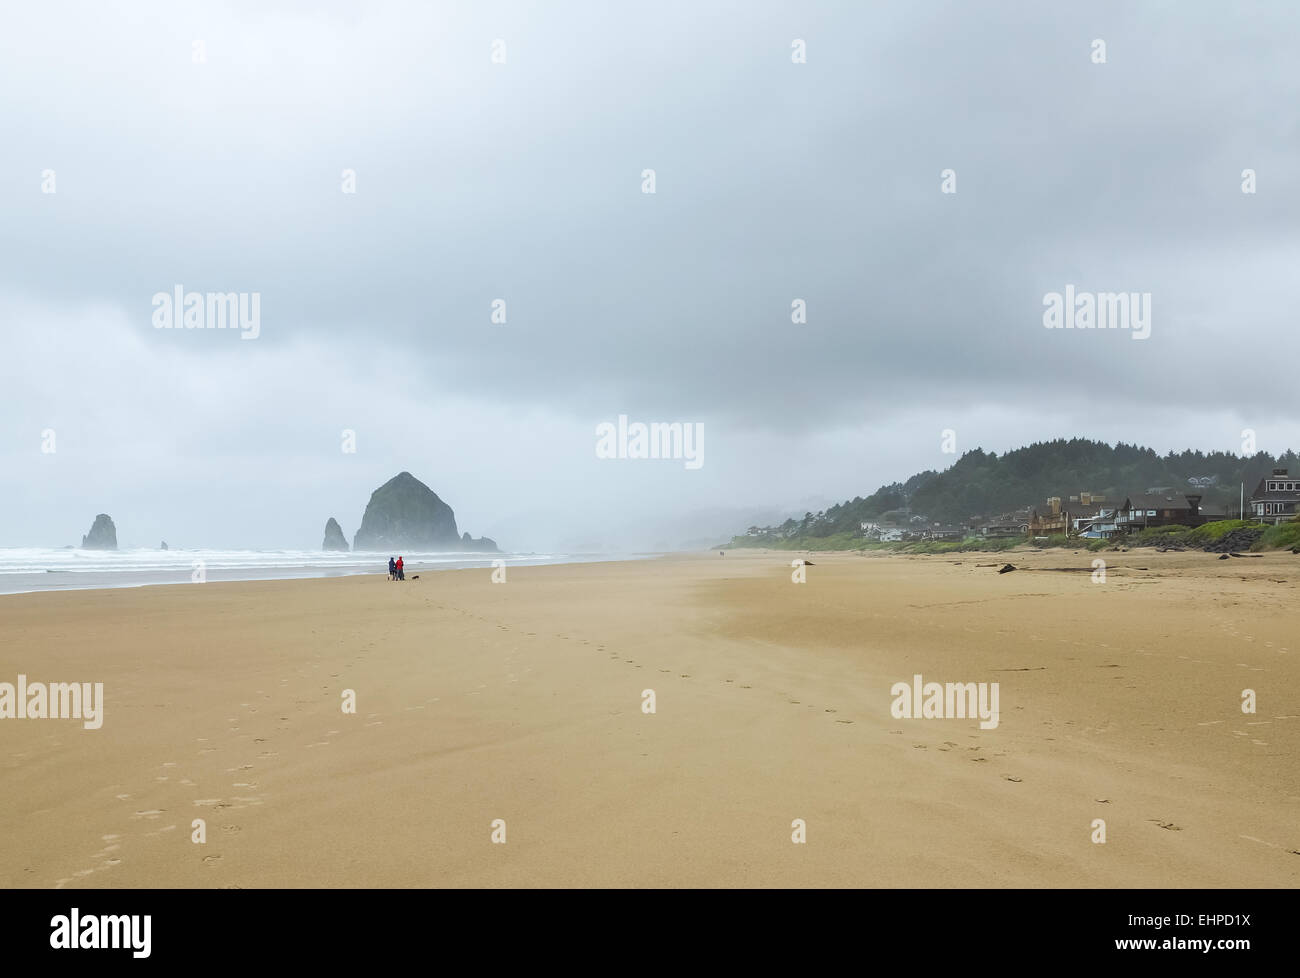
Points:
x=980, y=484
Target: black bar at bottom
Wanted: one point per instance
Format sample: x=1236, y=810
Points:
x=1168, y=928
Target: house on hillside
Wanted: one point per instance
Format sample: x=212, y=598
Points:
x=1006, y=525
x=1095, y=522
x=944, y=531
x=1276, y=498
x=1051, y=520
x=1159, y=507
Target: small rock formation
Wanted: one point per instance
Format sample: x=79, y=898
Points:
x=334, y=538
x=163, y=545
x=102, y=535
x=483, y=544
x=1242, y=539
x=1006, y=568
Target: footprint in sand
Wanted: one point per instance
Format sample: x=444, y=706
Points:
x=1166, y=825
x=1008, y=777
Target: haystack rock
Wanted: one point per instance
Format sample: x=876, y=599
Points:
x=405, y=514
x=334, y=538
x=102, y=535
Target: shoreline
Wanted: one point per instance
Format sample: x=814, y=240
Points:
x=304, y=572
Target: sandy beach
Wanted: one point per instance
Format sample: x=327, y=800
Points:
x=522, y=701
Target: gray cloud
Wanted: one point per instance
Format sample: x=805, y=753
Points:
x=521, y=181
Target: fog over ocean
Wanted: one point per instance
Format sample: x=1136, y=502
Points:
x=24, y=569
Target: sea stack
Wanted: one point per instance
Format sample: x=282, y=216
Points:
x=405, y=514
x=334, y=538
x=102, y=535
x=485, y=544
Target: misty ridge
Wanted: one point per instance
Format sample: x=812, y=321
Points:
x=981, y=483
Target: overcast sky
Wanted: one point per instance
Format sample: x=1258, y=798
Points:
x=219, y=166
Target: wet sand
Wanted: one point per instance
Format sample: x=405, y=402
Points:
x=522, y=702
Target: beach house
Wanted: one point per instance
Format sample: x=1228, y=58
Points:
x=1276, y=498
x=1052, y=520
x=1161, y=506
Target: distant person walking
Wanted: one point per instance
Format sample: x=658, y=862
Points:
x=392, y=569
x=401, y=576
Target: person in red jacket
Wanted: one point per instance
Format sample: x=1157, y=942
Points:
x=400, y=575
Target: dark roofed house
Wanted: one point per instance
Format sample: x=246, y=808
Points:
x=944, y=531
x=1007, y=525
x=1276, y=498
x=1165, y=507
